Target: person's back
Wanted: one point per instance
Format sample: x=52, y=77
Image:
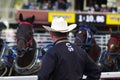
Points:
x=65, y=60
x=71, y=63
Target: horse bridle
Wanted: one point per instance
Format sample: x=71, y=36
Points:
x=115, y=52
x=29, y=43
x=85, y=45
x=35, y=64
x=115, y=55
x=31, y=25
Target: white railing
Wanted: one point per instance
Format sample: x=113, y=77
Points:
x=102, y=40
x=19, y=78
x=110, y=75
x=104, y=75
x=45, y=38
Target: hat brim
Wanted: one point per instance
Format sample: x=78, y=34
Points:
x=70, y=28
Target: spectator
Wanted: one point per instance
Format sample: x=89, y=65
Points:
x=60, y=5
x=38, y=5
x=45, y=5
x=91, y=9
x=104, y=8
x=113, y=9
x=25, y=5
x=97, y=8
x=32, y=6
x=50, y=6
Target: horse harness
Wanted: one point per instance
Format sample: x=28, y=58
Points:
x=118, y=51
x=89, y=38
x=112, y=59
x=31, y=38
x=29, y=42
x=34, y=66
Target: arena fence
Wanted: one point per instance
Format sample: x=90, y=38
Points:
x=44, y=39
x=102, y=41
x=19, y=78
x=104, y=75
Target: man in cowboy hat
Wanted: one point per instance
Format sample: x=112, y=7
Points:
x=65, y=60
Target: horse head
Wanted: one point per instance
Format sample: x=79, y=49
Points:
x=113, y=52
x=84, y=37
x=24, y=34
x=110, y=58
x=27, y=61
x=114, y=43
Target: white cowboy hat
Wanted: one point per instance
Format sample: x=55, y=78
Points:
x=60, y=25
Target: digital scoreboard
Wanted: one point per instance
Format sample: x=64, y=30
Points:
x=91, y=18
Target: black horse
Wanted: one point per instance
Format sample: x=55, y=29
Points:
x=28, y=59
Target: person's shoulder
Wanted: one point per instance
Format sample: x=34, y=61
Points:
x=50, y=52
x=78, y=48
x=75, y=45
x=51, y=49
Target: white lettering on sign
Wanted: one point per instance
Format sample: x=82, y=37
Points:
x=91, y=18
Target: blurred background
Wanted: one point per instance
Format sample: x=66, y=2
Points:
x=9, y=10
